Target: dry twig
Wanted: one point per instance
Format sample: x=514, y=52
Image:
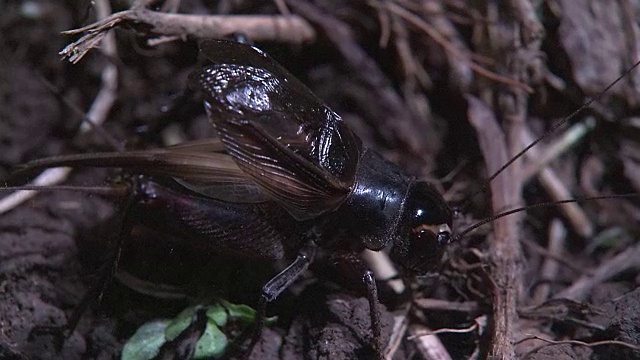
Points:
x=97, y=114
x=436, y=36
x=573, y=342
x=505, y=252
x=628, y=259
x=552, y=183
x=429, y=345
x=292, y=29
x=550, y=267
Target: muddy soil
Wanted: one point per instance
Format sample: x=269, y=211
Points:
x=405, y=95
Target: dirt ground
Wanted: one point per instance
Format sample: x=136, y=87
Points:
x=421, y=83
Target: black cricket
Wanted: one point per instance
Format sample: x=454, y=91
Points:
x=288, y=177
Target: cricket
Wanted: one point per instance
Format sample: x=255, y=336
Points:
x=288, y=184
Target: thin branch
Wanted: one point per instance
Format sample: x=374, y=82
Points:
x=555, y=187
x=572, y=342
x=437, y=37
x=550, y=267
x=628, y=259
x=429, y=346
x=290, y=29
x=97, y=114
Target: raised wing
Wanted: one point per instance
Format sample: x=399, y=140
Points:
x=199, y=166
x=278, y=132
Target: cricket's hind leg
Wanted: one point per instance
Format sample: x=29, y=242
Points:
x=104, y=276
x=272, y=289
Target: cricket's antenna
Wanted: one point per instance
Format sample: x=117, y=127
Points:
x=554, y=127
x=469, y=229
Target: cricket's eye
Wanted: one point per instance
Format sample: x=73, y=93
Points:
x=425, y=229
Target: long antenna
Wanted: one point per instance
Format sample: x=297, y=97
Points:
x=553, y=128
x=461, y=234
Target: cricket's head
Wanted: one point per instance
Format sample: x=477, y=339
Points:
x=424, y=230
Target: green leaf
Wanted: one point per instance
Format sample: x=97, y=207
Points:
x=180, y=323
x=212, y=343
x=145, y=344
x=244, y=313
x=217, y=314
x=240, y=312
